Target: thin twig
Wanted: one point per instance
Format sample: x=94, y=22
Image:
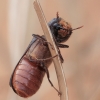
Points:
x=56, y=60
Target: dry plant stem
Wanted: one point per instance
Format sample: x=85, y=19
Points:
x=56, y=60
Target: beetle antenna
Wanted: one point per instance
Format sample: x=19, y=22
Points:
x=57, y=15
x=77, y=28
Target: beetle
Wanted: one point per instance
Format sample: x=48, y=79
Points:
x=28, y=74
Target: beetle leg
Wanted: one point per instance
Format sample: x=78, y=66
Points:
x=48, y=76
x=61, y=58
x=62, y=45
x=31, y=59
x=47, y=72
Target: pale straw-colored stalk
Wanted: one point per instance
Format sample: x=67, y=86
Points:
x=56, y=60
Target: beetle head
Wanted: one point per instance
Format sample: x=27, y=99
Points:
x=60, y=29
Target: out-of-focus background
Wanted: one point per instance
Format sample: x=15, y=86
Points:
x=18, y=20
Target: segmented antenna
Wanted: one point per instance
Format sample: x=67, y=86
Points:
x=57, y=16
x=77, y=28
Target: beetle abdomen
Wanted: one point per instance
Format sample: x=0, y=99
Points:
x=27, y=78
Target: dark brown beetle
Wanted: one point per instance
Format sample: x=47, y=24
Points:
x=31, y=68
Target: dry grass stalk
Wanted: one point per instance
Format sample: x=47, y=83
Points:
x=56, y=60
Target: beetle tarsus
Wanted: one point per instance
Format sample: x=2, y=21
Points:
x=59, y=94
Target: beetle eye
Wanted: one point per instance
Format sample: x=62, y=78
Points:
x=57, y=26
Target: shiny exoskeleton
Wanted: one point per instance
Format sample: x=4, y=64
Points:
x=29, y=72
x=60, y=29
x=31, y=68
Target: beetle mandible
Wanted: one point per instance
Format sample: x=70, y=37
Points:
x=28, y=74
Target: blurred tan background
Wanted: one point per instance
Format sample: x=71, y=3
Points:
x=18, y=20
